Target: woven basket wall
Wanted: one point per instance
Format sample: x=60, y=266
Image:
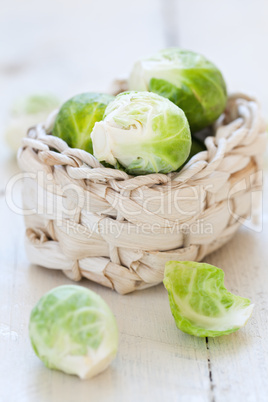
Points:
x=117, y=230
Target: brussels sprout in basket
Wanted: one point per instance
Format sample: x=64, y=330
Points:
x=186, y=78
x=143, y=132
x=77, y=117
x=72, y=329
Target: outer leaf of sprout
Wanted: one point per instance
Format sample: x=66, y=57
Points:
x=200, y=303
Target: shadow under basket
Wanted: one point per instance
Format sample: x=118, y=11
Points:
x=120, y=230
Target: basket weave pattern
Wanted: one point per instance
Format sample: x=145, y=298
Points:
x=119, y=230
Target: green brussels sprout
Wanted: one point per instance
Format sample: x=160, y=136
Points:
x=186, y=78
x=36, y=103
x=76, y=119
x=144, y=133
x=200, y=303
x=73, y=330
x=25, y=113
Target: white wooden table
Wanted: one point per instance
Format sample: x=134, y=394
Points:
x=74, y=46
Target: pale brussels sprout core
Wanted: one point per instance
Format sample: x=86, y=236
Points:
x=144, y=132
x=73, y=330
x=200, y=303
x=186, y=78
x=77, y=116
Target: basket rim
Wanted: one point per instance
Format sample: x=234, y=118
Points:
x=237, y=132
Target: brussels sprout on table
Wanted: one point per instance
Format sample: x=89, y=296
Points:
x=77, y=116
x=186, y=78
x=200, y=303
x=73, y=330
x=28, y=112
x=144, y=133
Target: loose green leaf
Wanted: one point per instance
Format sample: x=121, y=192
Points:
x=200, y=303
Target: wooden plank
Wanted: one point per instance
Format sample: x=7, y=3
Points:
x=233, y=37
x=239, y=362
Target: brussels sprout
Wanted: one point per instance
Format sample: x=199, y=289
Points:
x=73, y=330
x=143, y=132
x=200, y=303
x=77, y=117
x=26, y=113
x=186, y=78
x=34, y=104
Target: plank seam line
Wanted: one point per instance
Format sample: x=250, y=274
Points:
x=212, y=386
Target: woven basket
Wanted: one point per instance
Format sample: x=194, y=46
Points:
x=119, y=230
